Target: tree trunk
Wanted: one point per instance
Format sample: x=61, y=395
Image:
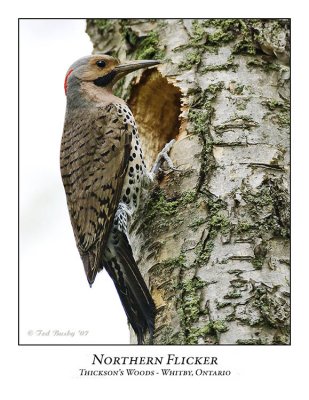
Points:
x=212, y=239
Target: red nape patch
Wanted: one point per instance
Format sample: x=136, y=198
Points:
x=66, y=80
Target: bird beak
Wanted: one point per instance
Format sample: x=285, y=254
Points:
x=130, y=66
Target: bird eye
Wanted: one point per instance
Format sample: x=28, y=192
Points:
x=101, y=63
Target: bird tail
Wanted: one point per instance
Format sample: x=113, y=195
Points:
x=131, y=287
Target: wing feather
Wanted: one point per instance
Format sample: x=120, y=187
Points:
x=95, y=151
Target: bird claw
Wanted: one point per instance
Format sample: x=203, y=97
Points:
x=163, y=156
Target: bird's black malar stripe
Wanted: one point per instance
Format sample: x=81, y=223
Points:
x=105, y=80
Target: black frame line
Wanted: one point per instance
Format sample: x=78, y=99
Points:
x=18, y=211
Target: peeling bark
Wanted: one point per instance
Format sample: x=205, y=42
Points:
x=212, y=240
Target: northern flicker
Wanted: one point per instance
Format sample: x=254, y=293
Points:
x=102, y=169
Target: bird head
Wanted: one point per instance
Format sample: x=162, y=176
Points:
x=101, y=70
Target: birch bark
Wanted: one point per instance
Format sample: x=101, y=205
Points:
x=212, y=239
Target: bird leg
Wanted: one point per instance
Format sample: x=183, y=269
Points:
x=162, y=156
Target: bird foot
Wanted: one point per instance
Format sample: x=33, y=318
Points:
x=163, y=156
